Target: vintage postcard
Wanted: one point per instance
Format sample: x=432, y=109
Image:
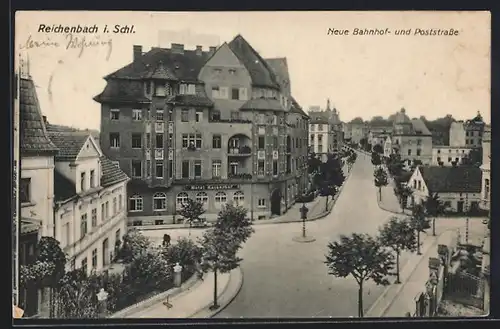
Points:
x=252, y=164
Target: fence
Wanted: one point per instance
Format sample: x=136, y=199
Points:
x=465, y=288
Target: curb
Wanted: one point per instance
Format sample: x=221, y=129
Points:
x=235, y=278
x=188, y=284
x=400, y=286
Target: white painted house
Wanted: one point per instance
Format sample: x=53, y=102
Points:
x=449, y=154
x=90, y=194
x=485, y=168
x=388, y=146
x=459, y=188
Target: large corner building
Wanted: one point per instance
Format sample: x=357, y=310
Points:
x=216, y=126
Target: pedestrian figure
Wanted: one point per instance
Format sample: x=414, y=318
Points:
x=166, y=240
x=167, y=302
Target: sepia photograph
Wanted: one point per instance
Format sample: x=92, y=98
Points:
x=251, y=165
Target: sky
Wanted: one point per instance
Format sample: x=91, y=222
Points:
x=362, y=75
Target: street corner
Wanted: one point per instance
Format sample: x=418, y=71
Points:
x=228, y=293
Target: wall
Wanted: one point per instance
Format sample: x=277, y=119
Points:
x=40, y=170
x=486, y=177
x=70, y=214
x=448, y=154
x=410, y=142
x=457, y=134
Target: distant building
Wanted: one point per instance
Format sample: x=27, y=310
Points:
x=474, y=131
x=485, y=168
x=449, y=155
x=412, y=139
x=388, y=146
x=90, y=196
x=459, y=188
x=357, y=131
x=378, y=137
x=326, y=134
x=457, y=134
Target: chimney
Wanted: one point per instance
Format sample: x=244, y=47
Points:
x=199, y=50
x=177, y=48
x=211, y=50
x=137, y=52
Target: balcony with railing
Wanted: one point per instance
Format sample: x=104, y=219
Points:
x=239, y=145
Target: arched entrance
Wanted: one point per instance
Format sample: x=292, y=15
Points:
x=276, y=202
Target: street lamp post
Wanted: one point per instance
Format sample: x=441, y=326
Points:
x=102, y=298
x=303, y=215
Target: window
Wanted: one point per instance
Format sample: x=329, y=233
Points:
x=117, y=234
x=243, y=94
x=447, y=203
x=185, y=169
x=82, y=181
x=191, y=89
x=103, y=212
x=312, y=139
x=120, y=202
x=199, y=115
x=170, y=140
x=274, y=119
x=159, y=169
x=198, y=141
x=94, y=217
x=261, y=168
x=159, y=201
x=439, y=151
x=409, y=152
x=419, y=142
x=135, y=203
x=170, y=116
x=486, y=189
x=223, y=92
x=94, y=258
x=233, y=168
x=84, y=266
x=181, y=199
x=215, y=92
x=148, y=114
x=137, y=115
x=148, y=168
x=220, y=199
x=115, y=114
x=232, y=71
x=217, y=71
x=418, y=152
x=159, y=115
x=159, y=141
x=170, y=168
x=320, y=139
x=136, y=141
x=275, y=167
x=197, y=169
x=185, y=115
x=216, y=168
x=262, y=142
x=320, y=126
x=217, y=141
x=414, y=184
x=115, y=206
x=193, y=140
x=107, y=209
x=262, y=203
x=114, y=140
x=215, y=114
x=235, y=93
x=239, y=198
x=160, y=90
x=185, y=140
x=320, y=148
x=136, y=168
x=419, y=185
x=24, y=190
x=202, y=197
x=275, y=142
x=83, y=225
x=92, y=178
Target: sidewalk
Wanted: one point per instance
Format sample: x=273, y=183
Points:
x=195, y=301
x=398, y=299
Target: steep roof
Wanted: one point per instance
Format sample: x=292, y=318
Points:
x=419, y=125
x=260, y=72
x=68, y=141
x=319, y=117
x=111, y=172
x=33, y=134
x=123, y=91
x=185, y=65
x=280, y=69
x=270, y=104
x=296, y=108
x=200, y=99
x=452, y=179
x=64, y=189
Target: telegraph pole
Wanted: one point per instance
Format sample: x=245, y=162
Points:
x=466, y=207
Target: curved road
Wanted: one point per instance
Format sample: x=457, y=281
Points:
x=283, y=278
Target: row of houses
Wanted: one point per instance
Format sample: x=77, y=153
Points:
x=326, y=134
x=461, y=188
x=68, y=190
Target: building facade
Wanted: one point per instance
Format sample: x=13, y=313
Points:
x=474, y=131
x=90, y=200
x=449, y=155
x=459, y=188
x=217, y=126
x=36, y=189
x=358, y=131
x=457, y=134
x=326, y=133
x=388, y=146
x=412, y=139
x=485, y=169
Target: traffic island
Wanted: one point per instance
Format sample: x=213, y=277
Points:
x=303, y=239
